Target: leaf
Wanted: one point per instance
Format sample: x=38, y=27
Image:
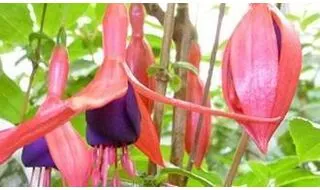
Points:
x=258, y=176
x=155, y=42
x=185, y=65
x=12, y=175
x=283, y=164
x=175, y=82
x=154, y=69
x=294, y=176
x=59, y=14
x=79, y=123
x=312, y=181
x=249, y=180
x=180, y=171
x=78, y=48
x=285, y=144
x=11, y=99
x=15, y=24
x=260, y=169
x=99, y=10
x=309, y=20
x=211, y=176
x=305, y=136
x=82, y=67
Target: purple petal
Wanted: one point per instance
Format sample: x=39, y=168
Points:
x=37, y=154
x=115, y=124
x=278, y=36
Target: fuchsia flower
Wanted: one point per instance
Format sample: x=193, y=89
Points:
x=195, y=93
x=261, y=68
x=139, y=53
x=113, y=82
x=61, y=148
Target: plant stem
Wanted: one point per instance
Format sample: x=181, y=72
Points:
x=161, y=80
x=35, y=64
x=241, y=149
x=180, y=115
x=206, y=90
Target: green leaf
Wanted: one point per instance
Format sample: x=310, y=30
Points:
x=155, y=42
x=99, y=10
x=59, y=14
x=15, y=24
x=305, y=136
x=249, y=180
x=285, y=144
x=309, y=20
x=183, y=172
x=283, y=164
x=175, y=83
x=13, y=175
x=79, y=123
x=260, y=169
x=11, y=99
x=154, y=69
x=211, y=176
x=185, y=65
x=82, y=67
x=293, y=176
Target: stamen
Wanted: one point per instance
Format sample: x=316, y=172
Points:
x=127, y=163
x=96, y=173
x=47, y=177
x=105, y=166
x=39, y=177
x=32, y=176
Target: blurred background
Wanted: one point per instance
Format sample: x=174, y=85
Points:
x=280, y=167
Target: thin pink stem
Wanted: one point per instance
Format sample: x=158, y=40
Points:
x=143, y=90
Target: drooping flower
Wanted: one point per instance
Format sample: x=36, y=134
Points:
x=62, y=148
x=110, y=83
x=117, y=124
x=139, y=53
x=261, y=67
x=195, y=93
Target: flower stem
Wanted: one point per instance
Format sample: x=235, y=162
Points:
x=35, y=64
x=180, y=115
x=242, y=146
x=161, y=85
x=206, y=90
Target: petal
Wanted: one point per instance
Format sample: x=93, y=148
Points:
x=136, y=19
x=58, y=71
x=139, y=53
x=34, y=128
x=289, y=66
x=195, y=95
x=71, y=155
x=141, y=89
x=109, y=78
x=3, y=136
x=254, y=67
x=148, y=141
x=115, y=26
x=139, y=58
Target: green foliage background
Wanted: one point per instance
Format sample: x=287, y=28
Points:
x=293, y=159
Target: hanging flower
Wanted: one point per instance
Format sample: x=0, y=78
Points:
x=62, y=148
x=110, y=83
x=261, y=67
x=195, y=92
x=139, y=53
